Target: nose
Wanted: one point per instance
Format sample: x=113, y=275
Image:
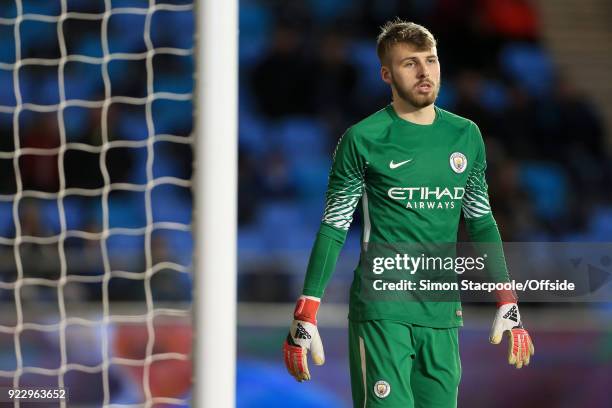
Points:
x=423, y=72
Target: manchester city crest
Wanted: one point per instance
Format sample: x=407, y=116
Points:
x=382, y=389
x=458, y=162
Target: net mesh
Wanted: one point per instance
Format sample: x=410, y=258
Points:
x=48, y=267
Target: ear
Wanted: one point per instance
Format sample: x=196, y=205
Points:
x=385, y=74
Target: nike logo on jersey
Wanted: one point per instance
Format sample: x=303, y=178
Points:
x=396, y=165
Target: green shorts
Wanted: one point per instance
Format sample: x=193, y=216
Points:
x=401, y=365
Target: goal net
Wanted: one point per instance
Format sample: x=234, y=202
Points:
x=96, y=135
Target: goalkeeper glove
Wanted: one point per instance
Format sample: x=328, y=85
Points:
x=303, y=336
x=520, y=347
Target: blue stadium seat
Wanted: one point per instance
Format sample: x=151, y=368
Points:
x=39, y=91
x=279, y=215
x=299, y=137
x=7, y=44
x=256, y=379
x=169, y=206
x=254, y=134
x=50, y=90
x=163, y=165
x=83, y=81
x=547, y=185
x=6, y=121
x=255, y=24
x=447, y=96
x=49, y=216
x=250, y=239
x=132, y=126
x=529, y=65
x=172, y=116
x=90, y=44
x=123, y=245
x=173, y=83
x=600, y=226
x=325, y=10
x=182, y=23
x=126, y=33
x=311, y=176
x=180, y=245
x=125, y=3
x=75, y=213
x=79, y=87
x=8, y=9
x=312, y=210
x=7, y=92
x=363, y=55
x=127, y=211
x=282, y=227
x=138, y=174
x=76, y=121
x=7, y=225
x=494, y=96
x=37, y=35
x=49, y=8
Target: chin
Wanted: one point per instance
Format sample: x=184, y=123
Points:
x=423, y=101
x=418, y=100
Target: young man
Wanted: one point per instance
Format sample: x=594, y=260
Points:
x=415, y=168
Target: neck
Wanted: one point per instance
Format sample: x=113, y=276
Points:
x=420, y=116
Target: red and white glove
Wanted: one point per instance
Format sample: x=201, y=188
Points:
x=303, y=336
x=520, y=346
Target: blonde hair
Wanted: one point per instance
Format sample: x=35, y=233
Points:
x=400, y=31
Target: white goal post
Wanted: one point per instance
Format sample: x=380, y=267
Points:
x=213, y=141
x=216, y=204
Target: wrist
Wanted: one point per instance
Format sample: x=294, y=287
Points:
x=505, y=297
x=306, y=309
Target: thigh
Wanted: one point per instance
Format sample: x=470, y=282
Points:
x=381, y=355
x=437, y=367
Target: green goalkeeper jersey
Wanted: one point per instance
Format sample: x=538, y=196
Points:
x=413, y=182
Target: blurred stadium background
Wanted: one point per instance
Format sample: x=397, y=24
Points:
x=532, y=74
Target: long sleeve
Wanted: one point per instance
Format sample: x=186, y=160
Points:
x=481, y=225
x=345, y=188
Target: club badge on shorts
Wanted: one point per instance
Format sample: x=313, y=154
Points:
x=458, y=162
x=382, y=389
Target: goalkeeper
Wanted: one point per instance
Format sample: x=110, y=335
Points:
x=415, y=168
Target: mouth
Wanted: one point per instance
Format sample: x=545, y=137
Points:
x=424, y=86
